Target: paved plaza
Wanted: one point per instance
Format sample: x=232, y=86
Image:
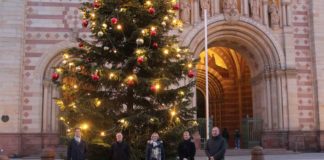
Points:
x=299, y=156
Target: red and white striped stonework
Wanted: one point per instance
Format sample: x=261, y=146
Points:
x=304, y=63
x=47, y=23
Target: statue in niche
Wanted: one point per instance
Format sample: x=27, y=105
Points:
x=230, y=10
x=274, y=16
x=185, y=12
x=205, y=4
x=255, y=8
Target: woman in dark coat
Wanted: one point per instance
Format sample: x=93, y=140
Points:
x=186, y=148
x=154, y=148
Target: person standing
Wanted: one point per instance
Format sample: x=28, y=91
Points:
x=237, y=139
x=77, y=148
x=119, y=149
x=225, y=135
x=186, y=148
x=154, y=148
x=216, y=146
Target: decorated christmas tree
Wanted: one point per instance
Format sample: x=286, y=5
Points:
x=131, y=77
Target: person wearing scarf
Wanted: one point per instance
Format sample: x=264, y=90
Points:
x=154, y=148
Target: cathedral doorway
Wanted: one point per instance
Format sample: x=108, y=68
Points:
x=230, y=91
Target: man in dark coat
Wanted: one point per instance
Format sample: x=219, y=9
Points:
x=77, y=148
x=120, y=149
x=216, y=146
x=186, y=148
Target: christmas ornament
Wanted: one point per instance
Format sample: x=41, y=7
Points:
x=163, y=23
x=139, y=41
x=151, y=10
x=153, y=33
x=130, y=82
x=155, y=87
x=55, y=76
x=85, y=23
x=106, y=48
x=140, y=60
x=114, y=20
x=155, y=45
x=96, y=4
x=176, y=6
x=191, y=74
x=100, y=33
x=80, y=44
x=95, y=77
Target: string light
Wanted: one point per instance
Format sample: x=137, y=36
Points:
x=119, y=27
x=148, y=3
x=66, y=56
x=173, y=113
x=93, y=15
x=97, y=102
x=166, y=51
x=111, y=75
x=102, y=134
x=62, y=119
x=59, y=70
x=190, y=65
x=75, y=86
x=84, y=126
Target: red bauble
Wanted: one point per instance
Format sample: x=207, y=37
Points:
x=153, y=88
x=191, y=74
x=155, y=45
x=140, y=60
x=114, y=20
x=96, y=4
x=151, y=10
x=130, y=82
x=85, y=23
x=95, y=77
x=80, y=44
x=153, y=33
x=176, y=6
x=55, y=76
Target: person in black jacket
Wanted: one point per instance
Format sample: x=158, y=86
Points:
x=154, y=148
x=77, y=148
x=186, y=148
x=120, y=149
x=216, y=146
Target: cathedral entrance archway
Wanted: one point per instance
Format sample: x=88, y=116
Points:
x=264, y=67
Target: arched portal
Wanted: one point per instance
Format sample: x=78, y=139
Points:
x=263, y=66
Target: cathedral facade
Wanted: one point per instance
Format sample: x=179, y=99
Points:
x=264, y=64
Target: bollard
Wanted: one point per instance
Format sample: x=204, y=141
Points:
x=257, y=153
x=4, y=157
x=48, y=154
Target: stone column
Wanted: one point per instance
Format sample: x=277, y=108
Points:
x=216, y=6
x=196, y=15
x=288, y=10
x=246, y=8
x=283, y=14
x=265, y=13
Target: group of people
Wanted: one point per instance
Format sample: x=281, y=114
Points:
x=237, y=137
x=215, y=147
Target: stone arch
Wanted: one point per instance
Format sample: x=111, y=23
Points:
x=264, y=56
x=50, y=59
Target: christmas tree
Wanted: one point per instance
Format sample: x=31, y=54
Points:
x=132, y=76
